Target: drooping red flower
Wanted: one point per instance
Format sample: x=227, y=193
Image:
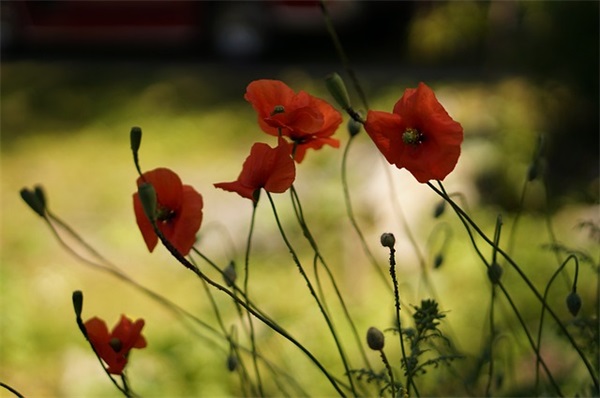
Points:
x=270, y=168
x=178, y=210
x=419, y=135
x=307, y=121
x=114, y=347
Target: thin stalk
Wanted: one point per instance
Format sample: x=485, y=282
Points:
x=314, y=294
x=313, y=243
x=267, y=321
x=352, y=218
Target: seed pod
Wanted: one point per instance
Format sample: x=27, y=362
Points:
x=574, y=303
x=375, y=339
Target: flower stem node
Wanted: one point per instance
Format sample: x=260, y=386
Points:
x=135, y=138
x=388, y=240
x=574, y=303
x=148, y=198
x=77, y=302
x=375, y=339
x=494, y=273
x=337, y=89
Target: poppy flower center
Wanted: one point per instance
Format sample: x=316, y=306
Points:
x=278, y=109
x=115, y=344
x=164, y=214
x=412, y=136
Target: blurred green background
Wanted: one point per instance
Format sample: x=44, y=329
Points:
x=507, y=71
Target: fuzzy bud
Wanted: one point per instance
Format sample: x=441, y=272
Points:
x=388, y=240
x=232, y=362
x=338, y=90
x=375, y=339
x=494, y=273
x=574, y=303
x=229, y=274
x=439, y=209
x=33, y=201
x=77, y=302
x=438, y=260
x=135, y=138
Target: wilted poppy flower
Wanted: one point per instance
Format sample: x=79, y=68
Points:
x=270, y=168
x=114, y=347
x=419, y=135
x=306, y=120
x=178, y=210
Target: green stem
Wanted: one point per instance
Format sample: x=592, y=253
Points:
x=270, y=323
x=250, y=321
x=352, y=218
x=314, y=294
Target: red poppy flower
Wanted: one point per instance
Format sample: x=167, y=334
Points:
x=419, y=135
x=178, y=210
x=114, y=347
x=270, y=168
x=306, y=120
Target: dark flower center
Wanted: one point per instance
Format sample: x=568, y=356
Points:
x=115, y=344
x=412, y=136
x=164, y=214
x=278, y=109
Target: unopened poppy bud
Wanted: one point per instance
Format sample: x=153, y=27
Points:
x=232, y=362
x=388, y=240
x=574, y=303
x=229, y=274
x=439, y=209
x=147, y=195
x=375, y=339
x=354, y=127
x=38, y=190
x=438, y=260
x=33, y=201
x=337, y=89
x=77, y=302
x=135, y=138
x=115, y=344
x=494, y=273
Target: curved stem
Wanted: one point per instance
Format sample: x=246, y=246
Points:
x=468, y=221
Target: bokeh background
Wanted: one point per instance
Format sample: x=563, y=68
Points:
x=70, y=92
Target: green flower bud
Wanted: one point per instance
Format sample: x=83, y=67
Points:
x=77, y=302
x=135, y=138
x=439, y=209
x=574, y=303
x=338, y=91
x=232, y=362
x=229, y=274
x=147, y=195
x=375, y=339
x=494, y=273
x=33, y=201
x=388, y=240
x=40, y=194
x=438, y=260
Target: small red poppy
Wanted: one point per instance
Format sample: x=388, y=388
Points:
x=307, y=121
x=178, y=210
x=114, y=347
x=270, y=168
x=419, y=135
